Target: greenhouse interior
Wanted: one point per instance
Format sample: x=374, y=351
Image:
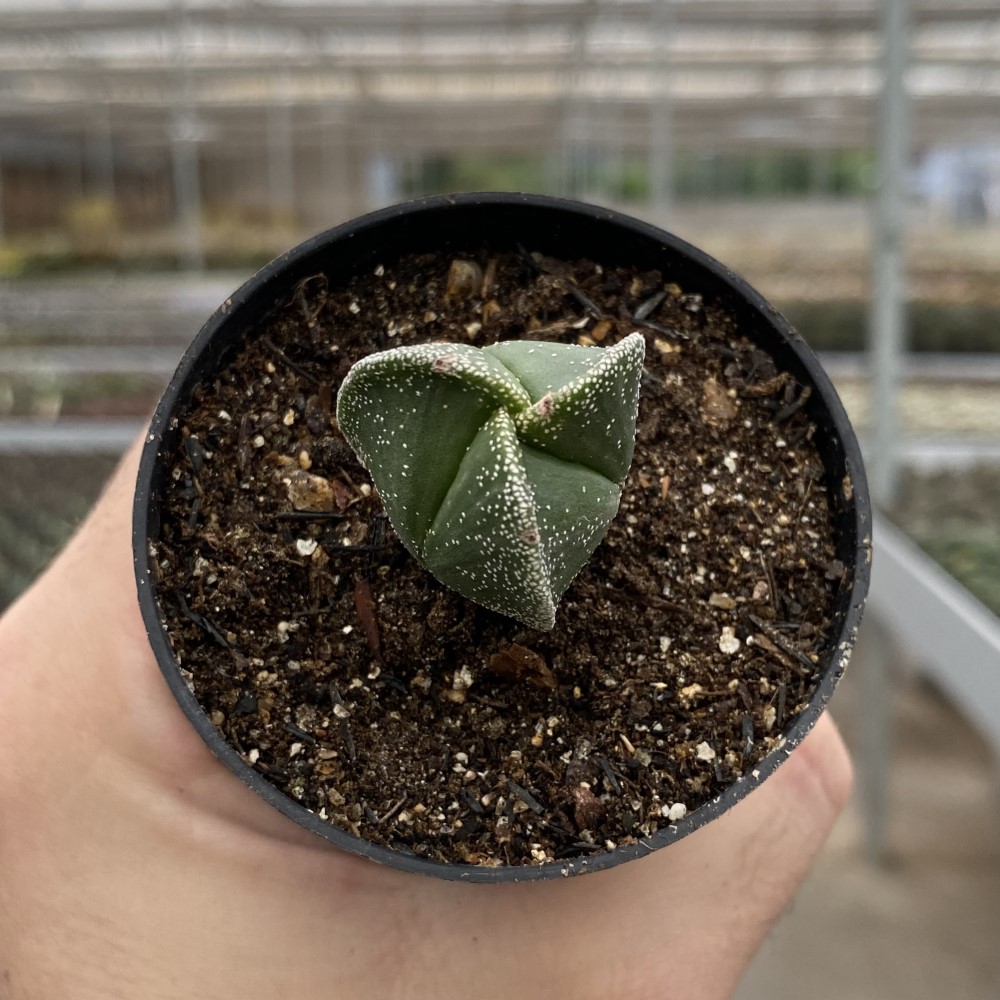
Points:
x=843, y=156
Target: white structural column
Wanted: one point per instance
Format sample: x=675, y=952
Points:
x=661, y=118
x=887, y=330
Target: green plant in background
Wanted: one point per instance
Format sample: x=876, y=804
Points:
x=94, y=228
x=970, y=552
x=933, y=326
x=436, y=174
x=502, y=468
x=41, y=502
x=12, y=261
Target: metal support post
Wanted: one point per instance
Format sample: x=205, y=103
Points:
x=184, y=136
x=887, y=330
x=187, y=193
x=76, y=166
x=578, y=150
x=820, y=172
x=572, y=111
x=280, y=157
x=617, y=160
x=875, y=654
x=334, y=171
x=102, y=155
x=661, y=123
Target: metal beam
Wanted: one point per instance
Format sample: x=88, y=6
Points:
x=73, y=437
x=456, y=17
x=307, y=63
x=490, y=124
x=443, y=96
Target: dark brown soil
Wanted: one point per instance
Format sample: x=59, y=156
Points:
x=396, y=709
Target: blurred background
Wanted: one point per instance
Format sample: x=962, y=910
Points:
x=844, y=155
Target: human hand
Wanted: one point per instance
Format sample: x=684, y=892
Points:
x=134, y=865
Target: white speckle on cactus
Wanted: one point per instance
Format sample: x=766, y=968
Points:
x=473, y=500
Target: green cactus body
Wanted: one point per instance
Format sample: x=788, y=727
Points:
x=501, y=468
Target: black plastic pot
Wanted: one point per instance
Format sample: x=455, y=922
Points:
x=561, y=229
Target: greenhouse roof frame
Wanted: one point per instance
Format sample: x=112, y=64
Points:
x=468, y=74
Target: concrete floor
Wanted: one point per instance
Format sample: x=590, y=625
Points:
x=925, y=926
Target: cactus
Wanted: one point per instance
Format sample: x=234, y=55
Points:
x=500, y=468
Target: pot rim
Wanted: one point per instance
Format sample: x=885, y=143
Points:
x=836, y=658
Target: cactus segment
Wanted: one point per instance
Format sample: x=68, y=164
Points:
x=584, y=412
x=414, y=412
x=500, y=469
x=485, y=541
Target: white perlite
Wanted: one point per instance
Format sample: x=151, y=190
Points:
x=728, y=643
x=674, y=812
x=306, y=546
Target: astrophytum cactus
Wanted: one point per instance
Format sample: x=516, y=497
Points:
x=502, y=468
